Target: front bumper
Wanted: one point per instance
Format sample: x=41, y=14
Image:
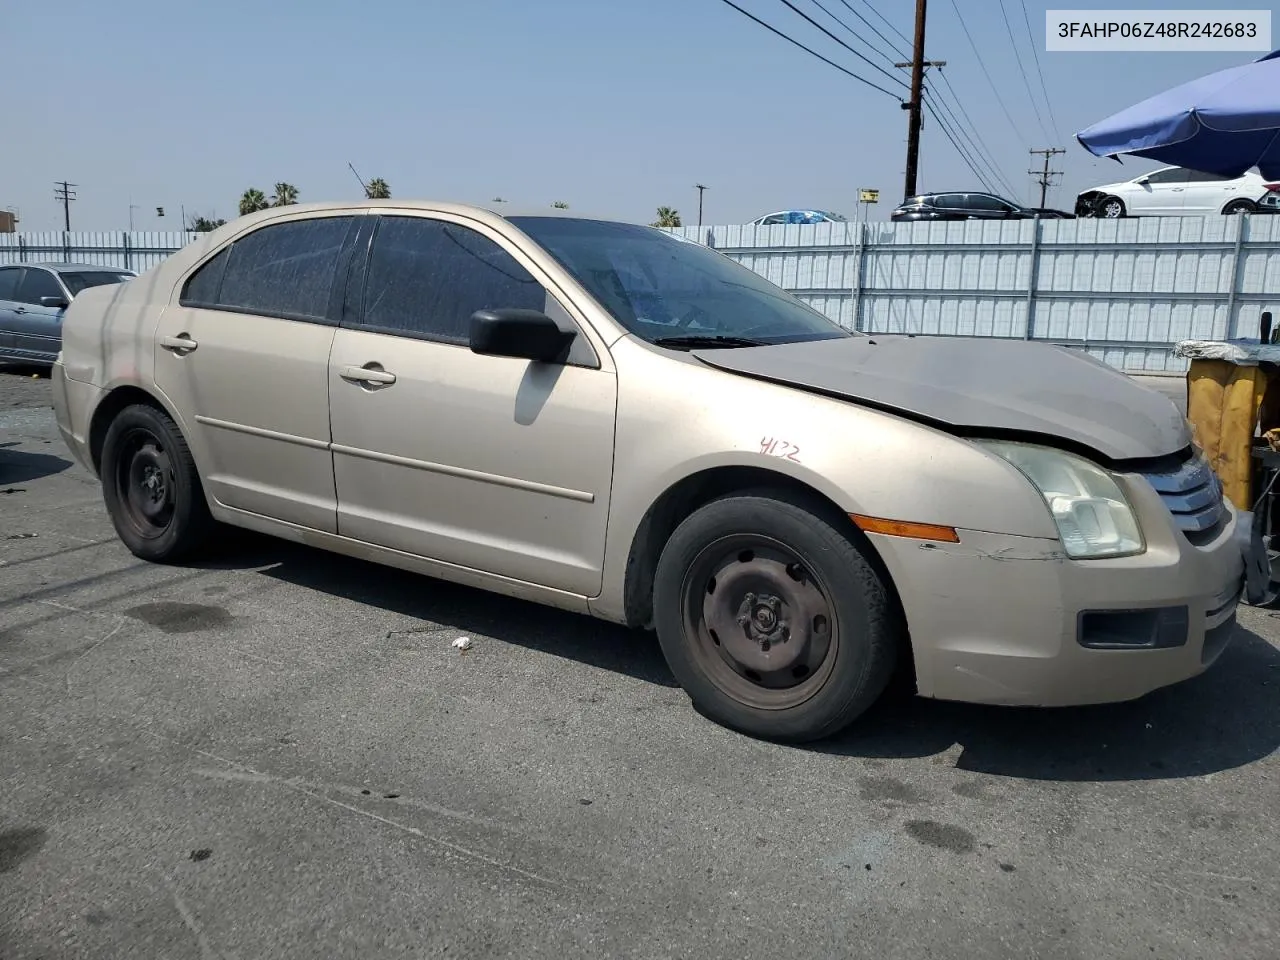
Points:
x=1011, y=620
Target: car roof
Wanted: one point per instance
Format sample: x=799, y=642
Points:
x=490, y=214
x=68, y=266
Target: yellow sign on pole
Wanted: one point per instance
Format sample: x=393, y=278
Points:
x=868, y=196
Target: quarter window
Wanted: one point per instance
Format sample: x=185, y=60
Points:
x=427, y=277
x=284, y=270
x=202, y=289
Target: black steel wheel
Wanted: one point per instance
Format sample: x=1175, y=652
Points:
x=151, y=487
x=773, y=620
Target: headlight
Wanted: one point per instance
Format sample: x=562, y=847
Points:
x=1092, y=515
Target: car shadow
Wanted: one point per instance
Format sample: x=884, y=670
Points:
x=518, y=622
x=18, y=466
x=1224, y=719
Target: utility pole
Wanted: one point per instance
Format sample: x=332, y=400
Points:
x=915, y=106
x=63, y=193
x=700, y=188
x=1045, y=177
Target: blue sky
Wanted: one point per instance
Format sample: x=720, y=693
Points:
x=614, y=106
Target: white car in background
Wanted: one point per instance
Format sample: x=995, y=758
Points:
x=1176, y=192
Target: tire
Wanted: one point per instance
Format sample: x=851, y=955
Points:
x=151, y=487
x=1238, y=207
x=1111, y=208
x=733, y=580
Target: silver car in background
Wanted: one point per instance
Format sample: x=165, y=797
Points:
x=33, y=297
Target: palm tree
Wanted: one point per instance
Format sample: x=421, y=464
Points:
x=201, y=224
x=285, y=195
x=252, y=200
x=560, y=205
x=378, y=189
x=667, y=217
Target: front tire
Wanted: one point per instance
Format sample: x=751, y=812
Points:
x=151, y=487
x=773, y=620
x=1236, y=207
x=1111, y=208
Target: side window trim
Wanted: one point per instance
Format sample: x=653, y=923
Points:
x=582, y=354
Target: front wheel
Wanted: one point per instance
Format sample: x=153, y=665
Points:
x=1236, y=207
x=1111, y=208
x=772, y=619
x=151, y=487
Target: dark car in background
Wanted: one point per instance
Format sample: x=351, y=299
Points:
x=33, y=297
x=970, y=205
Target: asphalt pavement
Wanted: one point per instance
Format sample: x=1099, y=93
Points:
x=277, y=753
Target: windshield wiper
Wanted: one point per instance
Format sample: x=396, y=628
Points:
x=692, y=341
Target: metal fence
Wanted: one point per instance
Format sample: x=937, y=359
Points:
x=1125, y=290
x=132, y=251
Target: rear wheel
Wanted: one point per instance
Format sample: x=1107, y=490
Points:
x=772, y=619
x=151, y=487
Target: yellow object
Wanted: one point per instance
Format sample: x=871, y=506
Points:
x=1223, y=400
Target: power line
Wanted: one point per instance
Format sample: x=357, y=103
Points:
x=1035, y=52
x=964, y=154
x=844, y=70
x=978, y=141
x=985, y=72
x=864, y=59
x=1035, y=107
x=979, y=149
x=854, y=33
x=873, y=28
x=884, y=20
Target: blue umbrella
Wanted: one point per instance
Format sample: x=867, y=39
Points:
x=1225, y=123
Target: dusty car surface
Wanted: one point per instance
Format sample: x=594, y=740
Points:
x=606, y=419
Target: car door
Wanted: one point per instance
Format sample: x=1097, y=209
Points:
x=35, y=327
x=1206, y=193
x=951, y=206
x=491, y=463
x=243, y=356
x=1160, y=194
x=986, y=207
x=9, y=279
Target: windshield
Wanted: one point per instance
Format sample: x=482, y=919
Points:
x=92, y=278
x=659, y=287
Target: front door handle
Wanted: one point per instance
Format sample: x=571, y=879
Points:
x=182, y=344
x=372, y=373
x=20, y=310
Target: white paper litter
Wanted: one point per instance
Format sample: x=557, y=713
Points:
x=462, y=643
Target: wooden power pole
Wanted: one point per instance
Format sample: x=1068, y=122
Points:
x=1045, y=177
x=915, y=106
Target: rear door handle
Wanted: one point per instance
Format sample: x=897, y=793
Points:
x=367, y=374
x=19, y=309
x=181, y=344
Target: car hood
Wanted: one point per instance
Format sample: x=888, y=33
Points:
x=976, y=387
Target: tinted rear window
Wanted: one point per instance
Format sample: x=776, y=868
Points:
x=285, y=270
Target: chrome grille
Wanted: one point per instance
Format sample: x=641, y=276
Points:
x=1193, y=495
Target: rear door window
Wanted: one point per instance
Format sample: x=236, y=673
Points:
x=427, y=277
x=36, y=284
x=9, y=282
x=284, y=270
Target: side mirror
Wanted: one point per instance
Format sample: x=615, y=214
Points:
x=1144, y=180
x=58, y=303
x=524, y=334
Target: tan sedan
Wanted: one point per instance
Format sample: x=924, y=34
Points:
x=606, y=419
